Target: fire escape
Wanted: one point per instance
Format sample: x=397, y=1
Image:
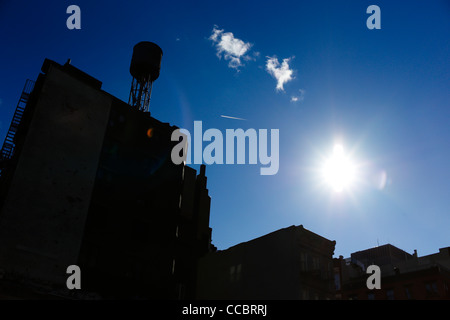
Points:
x=9, y=144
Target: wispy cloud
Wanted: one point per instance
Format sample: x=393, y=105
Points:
x=235, y=118
x=300, y=97
x=280, y=72
x=233, y=49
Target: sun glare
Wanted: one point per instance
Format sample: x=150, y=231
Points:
x=339, y=171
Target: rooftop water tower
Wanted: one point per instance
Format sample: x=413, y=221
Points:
x=144, y=67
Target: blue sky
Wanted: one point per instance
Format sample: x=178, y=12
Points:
x=383, y=94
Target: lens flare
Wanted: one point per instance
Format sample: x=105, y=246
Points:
x=150, y=132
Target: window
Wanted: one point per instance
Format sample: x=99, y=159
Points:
x=431, y=288
x=181, y=291
x=434, y=287
x=316, y=263
x=305, y=294
x=329, y=270
x=337, y=281
x=235, y=272
x=238, y=272
x=408, y=292
x=390, y=294
x=303, y=261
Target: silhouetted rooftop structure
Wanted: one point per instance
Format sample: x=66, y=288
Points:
x=291, y=263
x=380, y=255
x=403, y=276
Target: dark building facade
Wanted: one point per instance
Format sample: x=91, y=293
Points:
x=91, y=183
x=403, y=276
x=291, y=263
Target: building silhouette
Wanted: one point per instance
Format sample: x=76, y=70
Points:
x=88, y=180
x=289, y=264
x=403, y=276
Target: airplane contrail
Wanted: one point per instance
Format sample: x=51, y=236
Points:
x=235, y=118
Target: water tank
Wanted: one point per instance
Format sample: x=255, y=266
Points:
x=146, y=61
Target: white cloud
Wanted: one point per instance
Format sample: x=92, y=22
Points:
x=300, y=97
x=280, y=72
x=231, y=48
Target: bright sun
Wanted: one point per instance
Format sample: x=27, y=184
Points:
x=339, y=171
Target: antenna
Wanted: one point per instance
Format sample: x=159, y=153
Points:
x=144, y=68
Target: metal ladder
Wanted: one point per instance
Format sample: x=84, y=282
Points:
x=9, y=145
